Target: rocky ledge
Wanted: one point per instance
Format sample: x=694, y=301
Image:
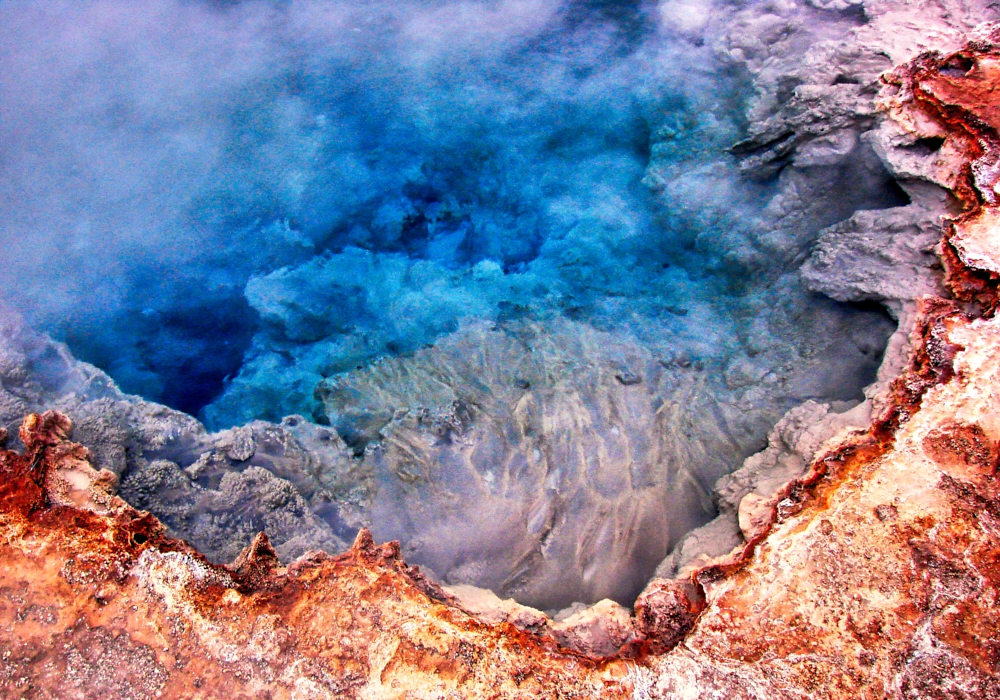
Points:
x=876, y=574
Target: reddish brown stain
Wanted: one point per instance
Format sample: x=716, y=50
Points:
x=78, y=619
x=961, y=444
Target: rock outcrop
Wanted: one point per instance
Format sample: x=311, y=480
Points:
x=809, y=100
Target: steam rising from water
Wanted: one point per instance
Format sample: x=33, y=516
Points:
x=241, y=208
x=435, y=160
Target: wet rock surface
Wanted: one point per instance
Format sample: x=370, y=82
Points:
x=573, y=487
x=512, y=458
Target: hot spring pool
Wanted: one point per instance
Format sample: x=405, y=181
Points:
x=499, y=248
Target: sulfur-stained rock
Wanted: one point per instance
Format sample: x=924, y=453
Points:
x=666, y=611
x=601, y=630
x=489, y=607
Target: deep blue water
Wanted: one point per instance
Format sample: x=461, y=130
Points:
x=223, y=203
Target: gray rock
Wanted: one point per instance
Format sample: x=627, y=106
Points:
x=878, y=255
x=815, y=81
x=242, y=446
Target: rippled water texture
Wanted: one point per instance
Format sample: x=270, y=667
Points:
x=498, y=246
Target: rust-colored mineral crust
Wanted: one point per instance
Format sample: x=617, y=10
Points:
x=875, y=576
x=95, y=602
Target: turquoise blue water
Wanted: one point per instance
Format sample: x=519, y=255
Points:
x=223, y=204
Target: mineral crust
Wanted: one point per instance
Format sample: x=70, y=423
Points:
x=876, y=575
